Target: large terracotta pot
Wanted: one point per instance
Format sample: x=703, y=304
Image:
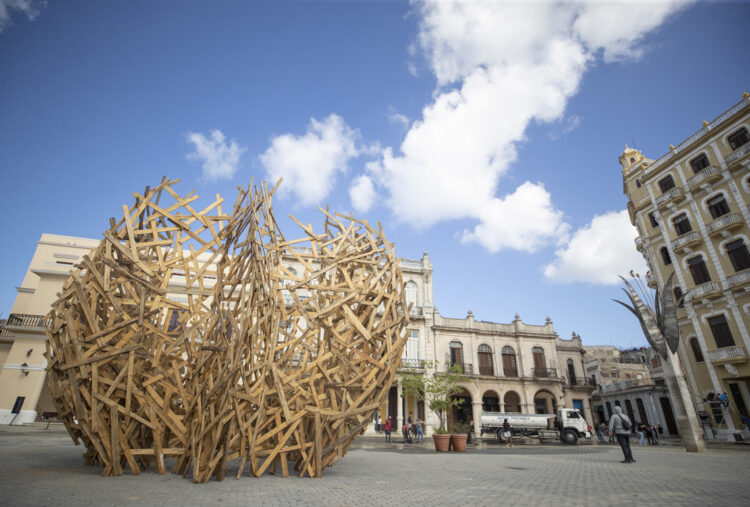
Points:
x=442, y=441
x=458, y=440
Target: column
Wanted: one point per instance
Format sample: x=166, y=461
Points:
x=399, y=408
x=476, y=410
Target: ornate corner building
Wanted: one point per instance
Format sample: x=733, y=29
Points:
x=691, y=210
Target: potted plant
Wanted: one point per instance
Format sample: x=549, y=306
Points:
x=437, y=391
x=459, y=437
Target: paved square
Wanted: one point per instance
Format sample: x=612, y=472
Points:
x=40, y=467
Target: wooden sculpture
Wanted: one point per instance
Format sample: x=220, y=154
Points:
x=207, y=337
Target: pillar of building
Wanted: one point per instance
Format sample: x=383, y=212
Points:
x=476, y=410
x=399, y=408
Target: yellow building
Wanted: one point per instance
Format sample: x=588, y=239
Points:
x=691, y=210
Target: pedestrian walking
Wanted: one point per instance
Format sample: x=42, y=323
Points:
x=620, y=424
x=388, y=430
x=652, y=439
x=600, y=432
x=641, y=430
x=507, y=433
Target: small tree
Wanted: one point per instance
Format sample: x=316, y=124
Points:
x=437, y=390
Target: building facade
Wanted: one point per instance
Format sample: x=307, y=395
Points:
x=632, y=379
x=515, y=367
x=691, y=210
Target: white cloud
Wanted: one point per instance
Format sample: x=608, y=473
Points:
x=309, y=163
x=219, y=159
x=598, y=252
x=524, y=220
x=28, y=7
x=397, y=118
x=499, y=66
x=362, y=193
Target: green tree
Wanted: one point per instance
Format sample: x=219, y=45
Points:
x=436, y=390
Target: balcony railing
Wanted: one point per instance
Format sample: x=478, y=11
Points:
x=710, y=173
x=486, y=370
x=728, y=221
x=23, y=320
x=579, y=381
x=738, y=279
x=704, y=290
x=737, y=154
x=639, y=244
x=544, y=372
x=416, y=311
x=674, y=193
x=466, y=368
x=412, y=363
x=727, y=355
x=686, y=240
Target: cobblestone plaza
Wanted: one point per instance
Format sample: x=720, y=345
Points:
x=43, y=467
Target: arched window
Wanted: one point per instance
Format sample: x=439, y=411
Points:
x=699, y=270
x=512, y=402
x=699, y=163
x=665, y=256
x=484, y=354
x=457, y=354
x=540, y=368
x=411, y=294
x=411, y=351
x=682, y=224
x=739, y=138
x=738, y=254
x=718, y=206
x=696, y=350
x=509, y=362
x=571, y=372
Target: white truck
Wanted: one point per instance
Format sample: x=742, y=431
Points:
x=567, y=426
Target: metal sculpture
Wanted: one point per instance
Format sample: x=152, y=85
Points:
x=207, y=337
x=660, y=327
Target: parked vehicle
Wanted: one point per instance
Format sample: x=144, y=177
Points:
x=567, y=426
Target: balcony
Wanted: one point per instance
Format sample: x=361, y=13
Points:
x=580, y=382
x=466, y=368
x=687, y=240
x=650, y=281
x=739, y=279
x=724, y=223
x=416, y=311
x=706, y=176
x=23, y=320
x=674, y=194
x=544, y=372
x=706, y=290
x=727, y=355
x=736, y=156
x=486, y=370
x=412, y=364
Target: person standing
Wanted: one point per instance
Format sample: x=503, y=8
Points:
x=388, y=430
x=469, y=431
x=420, y=432
x=507, y=433
x=621, y=425
x=641, y=430
x=600, y=433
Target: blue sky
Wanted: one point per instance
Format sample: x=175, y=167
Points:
x=486, y=134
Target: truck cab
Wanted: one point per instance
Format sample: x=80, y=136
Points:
x=571, y=425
